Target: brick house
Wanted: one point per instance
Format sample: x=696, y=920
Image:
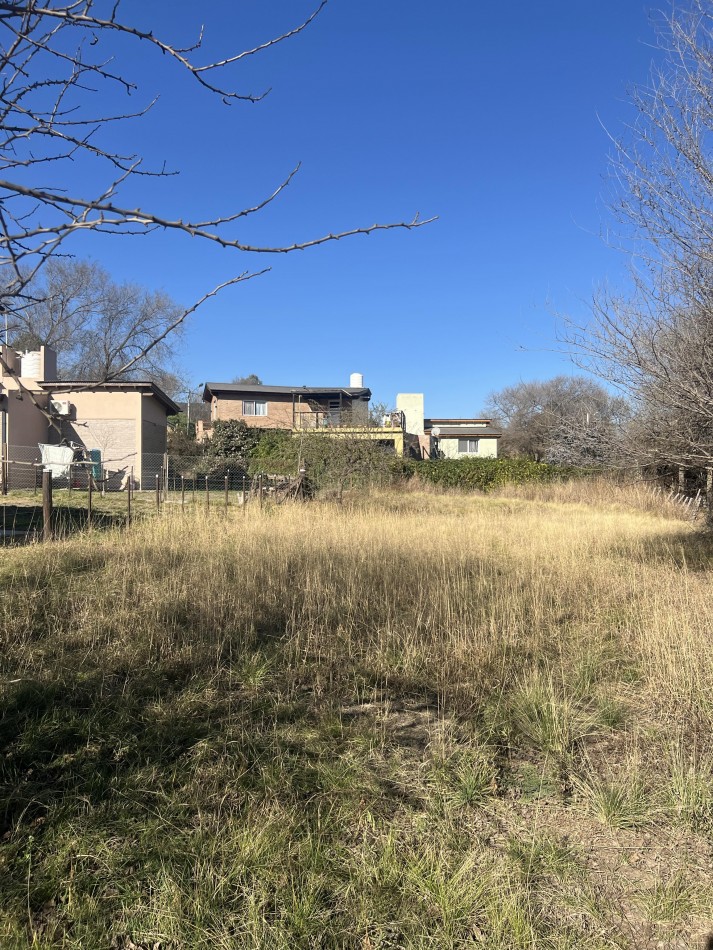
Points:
x=292, y=408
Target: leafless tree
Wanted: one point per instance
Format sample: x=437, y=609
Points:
x=569, y=419
x=95, y=325
x=60, y=61
x=655, y=342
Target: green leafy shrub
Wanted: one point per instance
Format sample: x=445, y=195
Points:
x=231, y=447
x=482, y=474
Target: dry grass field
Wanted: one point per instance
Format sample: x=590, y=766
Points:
x=415, y=720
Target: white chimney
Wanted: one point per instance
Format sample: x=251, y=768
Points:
x=356, y=381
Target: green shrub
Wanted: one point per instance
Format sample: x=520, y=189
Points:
x=482, y=474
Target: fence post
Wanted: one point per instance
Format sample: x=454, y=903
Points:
x=158, y=492
x=183, y=492
x=128, y=499
x=165, y=475
x=226, y=490
x=207, y=494
x=69, y=489
x=47, y=533
x=259, y=488
x=4, y=468
x=244, y=499
x=90, y=488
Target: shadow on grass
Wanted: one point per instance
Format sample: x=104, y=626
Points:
x=25, y=522
x=110, y=776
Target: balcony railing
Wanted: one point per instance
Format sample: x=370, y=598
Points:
x=305, y=419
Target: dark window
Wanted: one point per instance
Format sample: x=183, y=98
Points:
x=468, y=446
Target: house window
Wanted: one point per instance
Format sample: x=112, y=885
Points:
x=468, y=446
x=333, y=413
x=254, y=407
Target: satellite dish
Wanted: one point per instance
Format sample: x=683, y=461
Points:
x=436, y=430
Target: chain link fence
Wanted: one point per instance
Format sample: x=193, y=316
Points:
x=42, y=499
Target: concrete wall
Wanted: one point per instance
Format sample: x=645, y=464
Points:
x=153, y=439
x=411, y=404
x=11, y=358
x=23, y=426
x=153, y=425
x=26, y=425
x=487, y=448
x=106, y=420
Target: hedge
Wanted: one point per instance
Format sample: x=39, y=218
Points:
x=484, y=474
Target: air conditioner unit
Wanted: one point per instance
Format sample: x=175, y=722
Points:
x=61, y=407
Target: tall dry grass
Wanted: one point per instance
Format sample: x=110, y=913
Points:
x=365, y=725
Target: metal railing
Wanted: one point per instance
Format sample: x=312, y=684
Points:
x=306, y=419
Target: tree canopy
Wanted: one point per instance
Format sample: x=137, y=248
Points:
x=100, y=329
x=569, y=419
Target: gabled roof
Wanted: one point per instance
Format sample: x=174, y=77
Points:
x=234, y=389
x=138, y=385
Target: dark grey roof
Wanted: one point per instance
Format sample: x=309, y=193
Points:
x=212, y=389
x=142, y=385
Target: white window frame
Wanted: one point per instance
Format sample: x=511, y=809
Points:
x=468, y=443
x=254, y=407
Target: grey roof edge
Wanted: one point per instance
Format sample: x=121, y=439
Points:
x=216, y=388
x=87, y=386
x=467, y=432
x=454, y=432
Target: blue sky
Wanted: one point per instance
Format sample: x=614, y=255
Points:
x=489, y=115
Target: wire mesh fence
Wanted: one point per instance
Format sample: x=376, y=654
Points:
x=89, y=491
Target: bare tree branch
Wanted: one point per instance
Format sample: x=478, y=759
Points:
x=55, y=60
x=655, y=343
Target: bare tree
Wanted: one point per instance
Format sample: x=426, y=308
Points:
x=60, y=62
x=569, y=419
x=95, y=325
x=655, y=343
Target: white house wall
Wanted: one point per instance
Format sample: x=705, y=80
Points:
x=487, y=448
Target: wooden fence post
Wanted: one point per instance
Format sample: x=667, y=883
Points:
x=207, y=494
x=183, y=492
x=47, y=532
x=227, y=477
x=158, y=492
